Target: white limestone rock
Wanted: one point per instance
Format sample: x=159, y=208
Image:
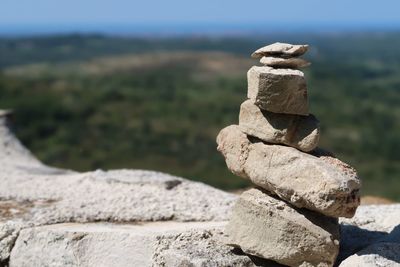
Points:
x=283, y=50
x=269, y=228
x=114, y=196
x=317, y=182
x=301, y=132
x=278, y=90
x=8, y=234
x=145, y=244
x=379, y=254
x=291, y=63
x=384, y=218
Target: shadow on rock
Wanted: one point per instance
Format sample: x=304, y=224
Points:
x=256, y=260
x=356, y=240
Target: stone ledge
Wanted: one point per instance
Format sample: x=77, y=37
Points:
x=124, y=245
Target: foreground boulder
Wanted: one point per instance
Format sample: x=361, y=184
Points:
x=301, y=132
x=269, y=228
x=278, y=90
x=319, y=183
x=101, y=244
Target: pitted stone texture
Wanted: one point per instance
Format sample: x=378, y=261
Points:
x=291, y=63
x=8, y=234
x=149, y=244
x=283, y=50
x=301, y=132
x=278, y=90
x=379, y=254
x=320, y=183
x=269, y=228
x=119, y=196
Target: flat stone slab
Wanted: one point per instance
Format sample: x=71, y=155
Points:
x=283, y=50
x=278, y=90
x=113, y=196
x=144, y=244
x=301, y=132
x=290, y=63
x=197, y=243
x=270, y=228
x=317, y=182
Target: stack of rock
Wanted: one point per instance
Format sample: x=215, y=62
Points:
x=290, y=217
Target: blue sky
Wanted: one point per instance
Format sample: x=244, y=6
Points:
x=97, y=13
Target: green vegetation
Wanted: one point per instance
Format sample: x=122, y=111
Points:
x=86, y=102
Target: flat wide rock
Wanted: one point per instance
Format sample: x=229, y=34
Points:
x=283, y=50
x=123, y=245
x=291, y=63
x=278, y=90
x=270, y=228
x=320, y=182
x=301, y=132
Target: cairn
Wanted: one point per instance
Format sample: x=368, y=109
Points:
x=291, y=216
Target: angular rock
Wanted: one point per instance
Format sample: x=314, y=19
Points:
x=145, y=244
x=270, y=228
x=291, y=63
x=283, y=50
x=320, y=183
x=278, y=90
x=301, y=132
x=379, y=254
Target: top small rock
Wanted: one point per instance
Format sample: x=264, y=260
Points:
x=280, y=50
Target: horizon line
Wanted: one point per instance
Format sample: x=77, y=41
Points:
x=206, y=28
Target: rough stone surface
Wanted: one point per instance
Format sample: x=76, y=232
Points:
x=147, y=244
x=283, y=50
x=291, y=63
x=301, y=132
x=45, y=195
x=8, y=235
x=278, y=90
x=379, y=254
x=269, y=228
x=321, y=183
x=120, y=196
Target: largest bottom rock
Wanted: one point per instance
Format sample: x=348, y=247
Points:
x=267, y=227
